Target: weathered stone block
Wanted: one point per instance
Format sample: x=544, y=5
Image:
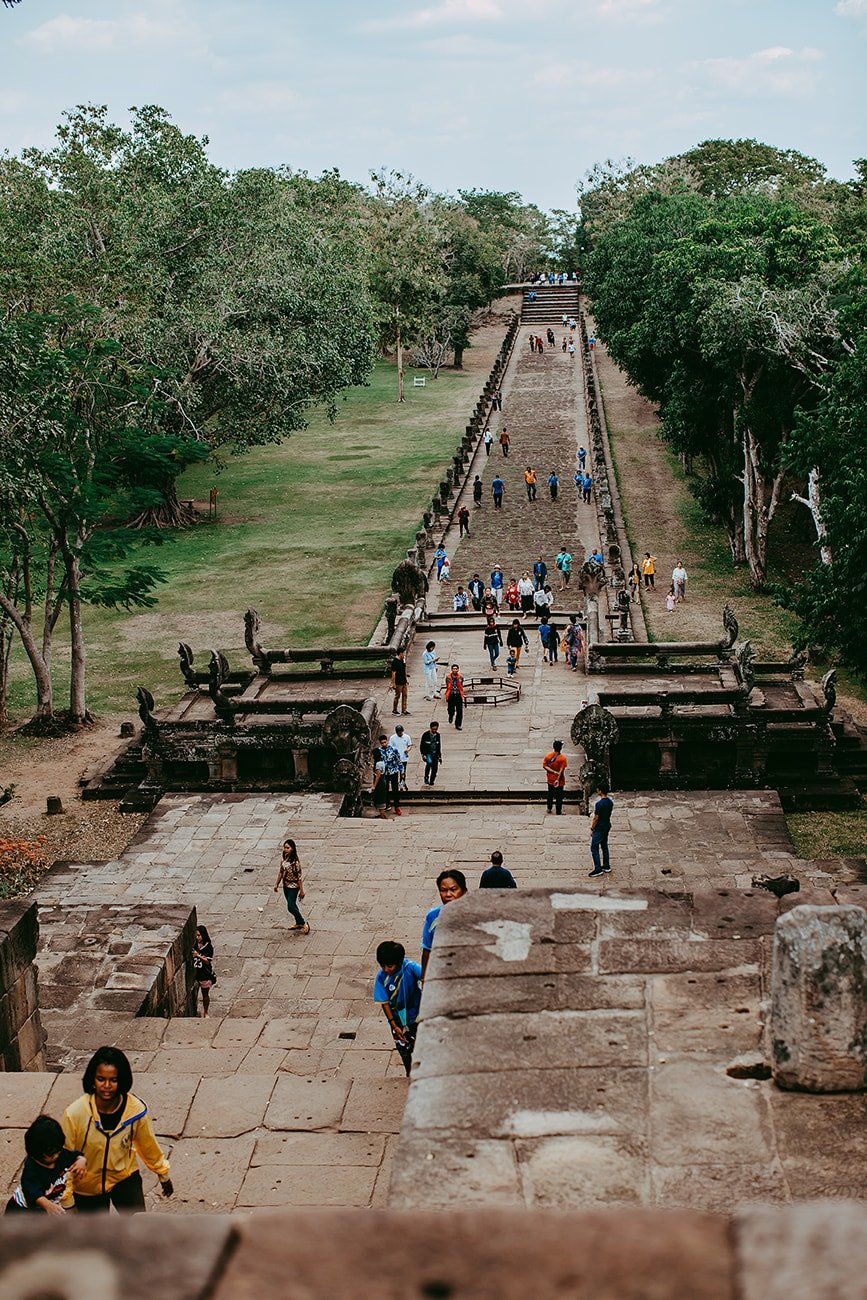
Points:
x=818, y=1021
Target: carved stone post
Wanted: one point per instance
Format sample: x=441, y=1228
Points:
x=300, y=760
x=818, y=1019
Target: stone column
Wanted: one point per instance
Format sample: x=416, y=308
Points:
x=299, y=759
x=818, y=1019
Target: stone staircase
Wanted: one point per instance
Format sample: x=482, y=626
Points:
x=850, y=751
x=552, y=302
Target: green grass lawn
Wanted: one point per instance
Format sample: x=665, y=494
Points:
x=308, y=532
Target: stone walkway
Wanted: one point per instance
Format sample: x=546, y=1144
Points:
x=291, y=1093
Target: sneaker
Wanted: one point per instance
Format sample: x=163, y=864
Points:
x=597, y=871
x=406, y=713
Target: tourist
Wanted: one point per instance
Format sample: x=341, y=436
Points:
x=397, y=988
x=586, y=487
x=565, y=343
x=112, y=1129
x=554, y=766
x=476, y=588
x=478, y=489
x=497, y=400
x=540, y=346
x=430, y=661
x=445, y=573
x=451, y=884
x=544, y=636
x=634, y=581
x=497, y=584
x=460, y=601
x=550, y=337
x=648, y=569
x=679, y=579
x=553, y=641
x=526, y=587
x=454, y=693
x=386, y=788
x=530, y=481
x=532, y=337
x=463, y=522
x=571, y=350
x=553, y=484
x=595, y=557
x=203, y=967
x=47, y=1177
x=540, y=573
x=498, y=487
x=516, y=641
x=504, y=441
x=492, y=641
x=440, y=557
x=289, y=877
x=513, y=597
x=488, y=440
x=496, y=876
x=671, y=599
x=564, y=564
x=511, y=664
x=490, y=604
x=582, y=457
x=401, y=742
x=431, y=750
x=399, y=681
x=600, y=828
x=543, y=602
x=574, y=639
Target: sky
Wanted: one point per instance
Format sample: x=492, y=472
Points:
x=519, y=95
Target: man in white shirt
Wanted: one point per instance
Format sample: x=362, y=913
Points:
x=543, y=600
x=679, y=579
x=460, y=600
x=402, y=742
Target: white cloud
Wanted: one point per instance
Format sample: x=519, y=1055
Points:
x=851, y=8
x=261, y=97
x=66, y=32
x=645, y=11
x=778, y=70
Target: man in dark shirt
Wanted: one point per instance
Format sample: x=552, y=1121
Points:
x=431, y=750
x=476, y=588
x=399, y=681
x=540, y=573
x=498, y=487
x=496, y=876
x=600, y=827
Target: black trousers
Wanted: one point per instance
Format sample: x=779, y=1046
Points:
x=431, y=767
x=455, y=705
x=405, y=1050
x=127, y=1195
x=555, y=796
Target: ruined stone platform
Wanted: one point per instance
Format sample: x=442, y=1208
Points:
x=592, y=1047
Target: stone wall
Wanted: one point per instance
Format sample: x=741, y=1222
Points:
x=22, y=1038
x=804, y=1252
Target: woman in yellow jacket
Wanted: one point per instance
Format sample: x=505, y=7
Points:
x=111, y=1127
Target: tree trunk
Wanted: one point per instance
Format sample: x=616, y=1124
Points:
x=78, y=713
x=813, y=502
x=401, y=396
x=6, y=634
x=171, y=513
x=759, y=508
x=459, y=356
x=42, y=676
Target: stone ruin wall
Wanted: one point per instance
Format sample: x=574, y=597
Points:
x=22, y=1038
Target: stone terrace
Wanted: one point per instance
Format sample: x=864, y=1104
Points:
x=578, y=1049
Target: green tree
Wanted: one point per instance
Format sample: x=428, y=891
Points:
x=75, y=410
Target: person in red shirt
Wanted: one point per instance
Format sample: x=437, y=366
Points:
x=454, y=694
x=555, y=765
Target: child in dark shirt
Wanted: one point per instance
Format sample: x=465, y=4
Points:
x=46, y=1169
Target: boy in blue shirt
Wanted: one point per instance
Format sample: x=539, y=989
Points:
x=397, y=988
x=600, y=829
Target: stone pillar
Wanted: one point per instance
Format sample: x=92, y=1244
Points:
x=818, y=1018
x=668, y=759
x=299, y=759
x=22, y=1038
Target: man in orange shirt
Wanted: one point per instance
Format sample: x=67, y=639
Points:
x=554, y=765
x=530, y=480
